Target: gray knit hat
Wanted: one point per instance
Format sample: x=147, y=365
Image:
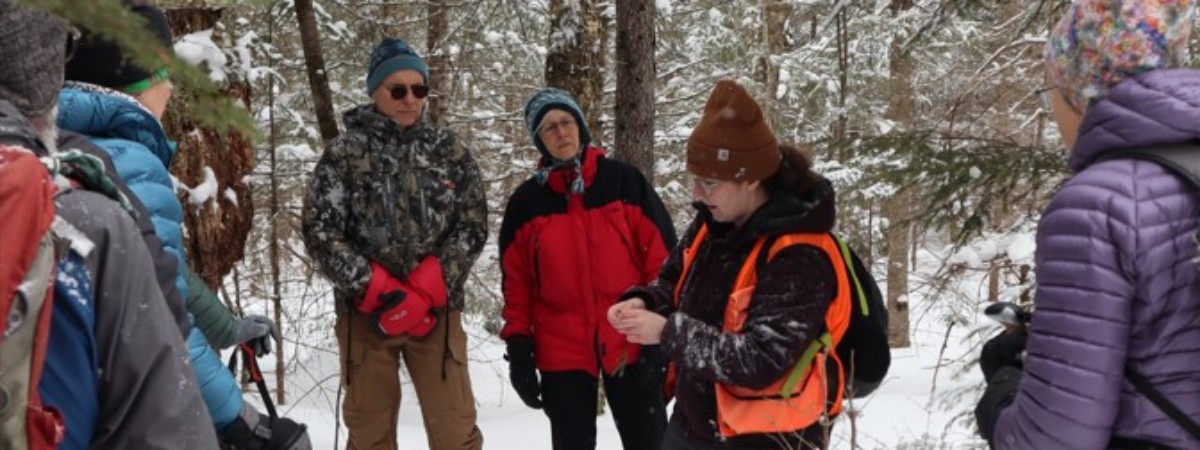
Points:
x=32, y=47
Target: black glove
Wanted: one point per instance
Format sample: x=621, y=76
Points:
x=1000, y=393
x=1005, y=349
x=286, y=434
x=258, y=332
x=522, y=372
x=254, y=431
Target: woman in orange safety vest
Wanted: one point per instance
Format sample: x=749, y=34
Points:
x=740, y=305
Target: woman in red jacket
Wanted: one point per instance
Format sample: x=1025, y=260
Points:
x=575, y=236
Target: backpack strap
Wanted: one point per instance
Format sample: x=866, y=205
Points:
x=1147, y=389
x=1182, y=159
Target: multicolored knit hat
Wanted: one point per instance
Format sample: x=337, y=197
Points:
x=1099, y=43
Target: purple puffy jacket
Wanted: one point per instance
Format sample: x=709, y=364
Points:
x=1117, y=282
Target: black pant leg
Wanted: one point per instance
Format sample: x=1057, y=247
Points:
x=569, y=400
x=638, y=408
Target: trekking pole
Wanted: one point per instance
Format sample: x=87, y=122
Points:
x=251, y=364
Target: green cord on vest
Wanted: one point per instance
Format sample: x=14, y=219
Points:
x=806, y=361
x=849, y=261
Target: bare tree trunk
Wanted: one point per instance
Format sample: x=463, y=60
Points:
x=276, y=288
x=843, y=61
x=575, y=60
x=775, y=15
x=993, y=277
x=438, y=59
x=898, y=235
x=218, y=227
x=314, y=64
x=634, y=110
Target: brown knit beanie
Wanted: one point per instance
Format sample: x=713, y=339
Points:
x=732, y=142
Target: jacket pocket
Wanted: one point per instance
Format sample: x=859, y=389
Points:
x=434, y=204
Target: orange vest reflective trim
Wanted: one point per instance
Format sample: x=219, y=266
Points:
x=780, y=407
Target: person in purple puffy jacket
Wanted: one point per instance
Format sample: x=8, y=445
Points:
x=1118, y=279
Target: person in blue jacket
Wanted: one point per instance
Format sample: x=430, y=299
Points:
x=119, y=105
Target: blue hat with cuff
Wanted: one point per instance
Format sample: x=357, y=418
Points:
x=545, y=100
x=391, y=55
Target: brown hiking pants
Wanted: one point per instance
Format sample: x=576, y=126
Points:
x=370, y=372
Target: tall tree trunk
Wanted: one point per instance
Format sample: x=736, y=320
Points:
x=276, y=216
x=218, y=227
x=575, y=60
x=438, y=59
x=843, y=61
x=901, y=110
x=634, y=109
x=775, y=15
x=314, y=64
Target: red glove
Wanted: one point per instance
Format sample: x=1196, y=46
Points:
x=427, y=279
x=405, y=314
x=381, y=283
x=410, y=308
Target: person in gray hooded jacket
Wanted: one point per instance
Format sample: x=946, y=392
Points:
x=145, y=387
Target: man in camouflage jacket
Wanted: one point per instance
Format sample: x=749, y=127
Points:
x=395, y=217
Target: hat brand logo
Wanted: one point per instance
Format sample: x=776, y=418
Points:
x=722, y=154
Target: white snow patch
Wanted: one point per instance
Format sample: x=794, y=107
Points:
x=199, y=50
x=204, y=191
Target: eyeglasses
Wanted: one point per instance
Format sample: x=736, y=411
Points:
x=706, y=185
x=73, y=37
x=400, y=91
x=1045, y=96
x=551, y=128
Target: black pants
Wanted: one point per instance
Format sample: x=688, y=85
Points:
x=635, y=398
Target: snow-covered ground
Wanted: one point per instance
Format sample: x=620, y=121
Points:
x=915, y=408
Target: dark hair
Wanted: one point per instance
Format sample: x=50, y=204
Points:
x=795, y=171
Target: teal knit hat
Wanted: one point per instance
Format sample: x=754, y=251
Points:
x=541, y=103
x=391, y=55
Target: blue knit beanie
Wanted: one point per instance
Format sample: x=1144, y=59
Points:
x=541, y=103
x=390, y=55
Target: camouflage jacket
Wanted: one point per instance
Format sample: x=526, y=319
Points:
x=393, y=196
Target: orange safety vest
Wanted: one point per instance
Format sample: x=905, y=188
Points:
x=779, y=408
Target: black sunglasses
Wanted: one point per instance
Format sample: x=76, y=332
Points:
x=400, y=91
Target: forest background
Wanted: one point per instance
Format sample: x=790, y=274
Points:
x=923, y=113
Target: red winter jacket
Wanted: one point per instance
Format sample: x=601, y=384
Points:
x=566, y=258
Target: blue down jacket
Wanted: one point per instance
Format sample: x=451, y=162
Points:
x=142, y=155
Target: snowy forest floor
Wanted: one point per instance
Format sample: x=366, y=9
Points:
x=925, y=402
